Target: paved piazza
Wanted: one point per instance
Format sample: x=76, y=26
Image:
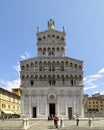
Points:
x=97, y=124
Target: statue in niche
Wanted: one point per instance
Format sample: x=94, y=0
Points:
x=51, y=24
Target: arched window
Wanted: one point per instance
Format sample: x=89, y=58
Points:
x=62, y=68
x=44, y=37
x=71, y=65
x=49, y=53
x=62, y=49
x=53, y=82
x=23, y=67
x=23, y=77
x=66, y=63
x=58, y=37
x=80, y=77
x=32, y=64
x=53, y=35
x=40, y=49
x=72, y=82
x=40, y=68
x=36, y=63
x=62, y=38
x=53, y=68
x=39, y=39
x=48, y=35
x=27, y=77
x=75, y=66
x=49, y=82
x=63, y=81
x=57, y=49
x=27, y=66
x=31, y=82
x=80, y=67
x=32, y=76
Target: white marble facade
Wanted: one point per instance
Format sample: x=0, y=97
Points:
x=51, y=82
x=62, y=98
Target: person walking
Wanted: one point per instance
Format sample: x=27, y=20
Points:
x=56, y=119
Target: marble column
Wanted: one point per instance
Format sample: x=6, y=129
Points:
x=22, y=104
x=30, y=107
x=66, y=108
x=46, y=105
x=37, y=105
x=57, y=105
x=73, y=104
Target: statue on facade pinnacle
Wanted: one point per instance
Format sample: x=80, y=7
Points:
x=37, y=29
x=51, y=24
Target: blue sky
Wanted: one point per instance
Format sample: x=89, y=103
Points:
x=84, y=25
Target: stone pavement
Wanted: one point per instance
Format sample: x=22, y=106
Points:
x=69, y=125
x=35, y=124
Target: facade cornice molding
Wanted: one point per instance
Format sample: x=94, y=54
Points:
x=50, y=58
x=50, y=31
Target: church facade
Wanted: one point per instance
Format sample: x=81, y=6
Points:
x=51, y=82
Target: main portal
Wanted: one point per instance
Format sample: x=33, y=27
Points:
x=52, y=108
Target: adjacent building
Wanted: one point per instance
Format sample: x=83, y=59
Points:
x=51, y=82
x=9, y=104
x=95, y=103
x=16, y=91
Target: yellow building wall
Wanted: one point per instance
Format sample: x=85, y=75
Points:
x=16, y=91
x=95, y=104
x=9, y=101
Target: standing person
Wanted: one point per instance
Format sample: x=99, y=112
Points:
x=77, y=120
x=48, y=117
x=3, y=118
x=56, y=119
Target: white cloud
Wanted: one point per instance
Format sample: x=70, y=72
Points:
x=84, y=79
x=8, y=85
x=17, y=68
x=102, y=92
x=91, y=87
x=96, y=92
x=24, y=56
x=94, y=81
x=96, y=76
x=101, y=71
x=88, y=81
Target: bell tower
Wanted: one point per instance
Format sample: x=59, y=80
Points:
x=51, y=43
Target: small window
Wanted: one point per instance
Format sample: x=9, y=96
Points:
x=53, y=35
x=13, y=107
x=48, y=35
x=62, y=38
x=71, y=65
x=80, y=67
x=44, y=37
x=57, y=37
x=39, y=39
x=3, y=105
x=8, y=106
x=72, y=82
x=31, y=82
x=23, y=77
x=23, y=67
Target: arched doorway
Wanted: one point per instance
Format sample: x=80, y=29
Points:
x=52, y=100
x=52, y=109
